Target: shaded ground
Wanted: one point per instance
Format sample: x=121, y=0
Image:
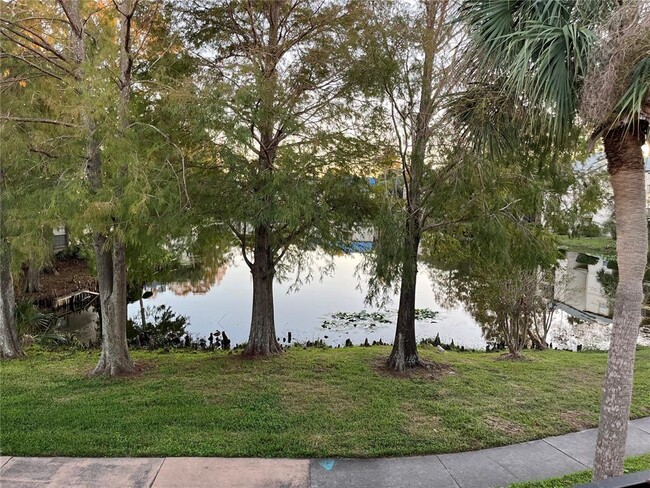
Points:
x=66, y=276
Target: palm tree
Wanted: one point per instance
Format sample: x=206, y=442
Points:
x=582, y=64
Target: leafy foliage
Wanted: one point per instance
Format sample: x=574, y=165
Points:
x=555, y=57
x=30, y=320
x=162, y=325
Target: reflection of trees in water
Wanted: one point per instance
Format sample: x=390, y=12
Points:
x=206, y=268
x=202, y=284
x=512, y=306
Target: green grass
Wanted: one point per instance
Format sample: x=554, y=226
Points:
x=305, y=403
x=600, y=246
x=632, y=465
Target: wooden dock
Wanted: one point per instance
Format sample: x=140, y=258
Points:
x=74, y=302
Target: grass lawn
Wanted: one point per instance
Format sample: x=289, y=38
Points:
x=600, y=246
x=632, y=465
x=305, y=403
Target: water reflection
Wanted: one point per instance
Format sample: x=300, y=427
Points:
x=225, y=305
x=83, y=325
x=577, y=284
x=211, y=277
x=220, y=299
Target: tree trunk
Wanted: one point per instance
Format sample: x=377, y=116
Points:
x=9, y=340
x=262, y=340
x=537, y=340
x=110, y=256
x=626, y=168
x=111, y=274
x=32, y=278
x=405, y=352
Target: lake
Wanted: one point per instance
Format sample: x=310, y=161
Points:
x=331, y=308
x=223, y=302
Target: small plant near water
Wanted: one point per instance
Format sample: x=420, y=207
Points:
x=53, y=340
x=425, y=314
x=30, y=320
x=162, y=328
x=42, y=328
x=353, y=317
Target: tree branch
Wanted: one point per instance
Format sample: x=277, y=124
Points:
x=33, y=65
x=241, y=236
x=444, y=223
x=36, y=120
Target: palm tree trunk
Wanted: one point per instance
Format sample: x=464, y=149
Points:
x=626, y=168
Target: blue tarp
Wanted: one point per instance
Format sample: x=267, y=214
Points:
x=357, y=246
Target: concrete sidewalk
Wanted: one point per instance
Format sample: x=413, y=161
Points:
x=553, y=456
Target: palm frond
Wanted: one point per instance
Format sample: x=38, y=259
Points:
x=486, y=118
x=630, y=105
x=549, y=68
x=540, y=49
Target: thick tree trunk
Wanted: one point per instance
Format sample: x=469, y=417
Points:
x=626, y=168
x=111, y=274
x=262, y=340
x=32, y=276
x=405, y=353
x=9, y=340
x=110, y=257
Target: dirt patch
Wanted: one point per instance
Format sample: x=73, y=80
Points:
x=427, y=370
x=581, y=375
x=63, y=278
x=316, y=396
x=512, y=357
x=66, y=399
x=141, y=367
x=239, y=355
x=511, y=429
x=576, y=420
x=419, y=423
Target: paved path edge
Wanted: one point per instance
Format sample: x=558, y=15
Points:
x=494, y=467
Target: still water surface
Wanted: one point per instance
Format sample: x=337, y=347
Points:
x=223, y=302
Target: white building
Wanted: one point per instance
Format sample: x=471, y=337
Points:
x=59, y=239
x=577, y=285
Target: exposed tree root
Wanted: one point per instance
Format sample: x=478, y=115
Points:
x=115, y=367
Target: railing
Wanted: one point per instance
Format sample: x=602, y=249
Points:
x=74, y=302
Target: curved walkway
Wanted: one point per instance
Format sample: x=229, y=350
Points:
x=545, y=458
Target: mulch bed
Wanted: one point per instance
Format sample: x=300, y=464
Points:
x=427, y=370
